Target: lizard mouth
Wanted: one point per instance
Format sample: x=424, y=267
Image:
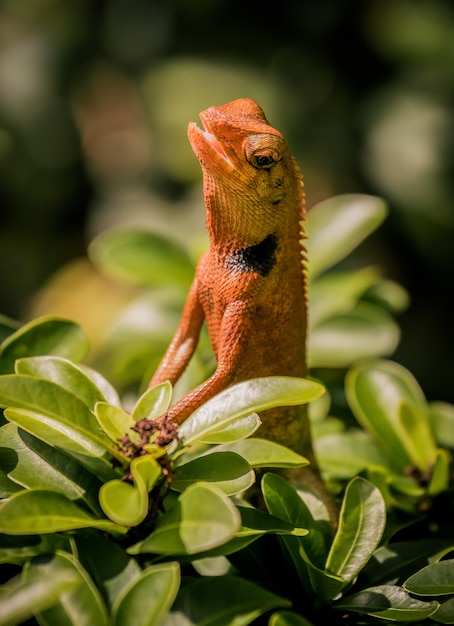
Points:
x=208, y=137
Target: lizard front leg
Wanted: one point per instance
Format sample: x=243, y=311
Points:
x=235, y=328
x=184, y=342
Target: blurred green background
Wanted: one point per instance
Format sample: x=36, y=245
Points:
x=96, y=95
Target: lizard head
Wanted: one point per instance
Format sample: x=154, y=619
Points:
x=247, y=169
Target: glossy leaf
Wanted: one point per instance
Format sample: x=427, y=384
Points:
x=345, y=455
x=63, y=373
x=436, y=579
x=45, y=397
x=107, y=390
x=339, y=224
x=399, y=491
x=44, y=336
x=388, y=402
x=106, y=563
x=21, y=599
x=227, y=470
x=127, y=504
x=39, y=511
x=222, y=601
x=284, y=502
x=202, y=518
x=153, y=403
x=395, y=561
x=239, y=429
x=257, y=522
x=21, y=548
x=212, y=566
x=113, y=420
x=361, y=525
x=148, y=599
x=7, y=486
x=338, y=292
x=388, y=602
x=367, y=331
x=32, y=463
x=445, y=614
x=247, y=397
x=77, y=606
x=308, y=554
x=141, y=258
x=76, y=444
x=440, y=476
x=264, y=453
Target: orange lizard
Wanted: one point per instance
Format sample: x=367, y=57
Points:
x=250, y=284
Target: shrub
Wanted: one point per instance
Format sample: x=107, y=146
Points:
x=106, y=519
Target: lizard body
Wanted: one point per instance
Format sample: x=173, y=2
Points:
x=249, y=287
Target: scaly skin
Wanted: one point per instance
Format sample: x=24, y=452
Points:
x=250, y=284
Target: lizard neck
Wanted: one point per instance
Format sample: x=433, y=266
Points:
x=238, y=222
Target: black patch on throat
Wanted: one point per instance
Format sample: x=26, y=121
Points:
x=259, y=258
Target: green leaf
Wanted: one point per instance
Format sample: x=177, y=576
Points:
x=140, y=257
x=308, y=554
x=21, y=548
x=71, y=440
x=338, y=292
x=395, y=561
x=445, y=614
x=39, y=511
x=48, y=398
x=223, y=601
x=113, y=420
x=7, y=327
x=149, y=598
x=367, y=331
x=77, y=606
x=7, y=486
x=441, y=417
x=284, y=502
x=227, y=470
x=126, y=504
x=107, y=390
x=257, y=522
x=388, y=602
x=153, y=403
x=239, y=429
x=389, y=294
x=107, y=564
x=21, y=599
x=255, y=395
x=32, y=463
x=419, y=439
x=288, y=618
x=202, y=518
x=361, y=525
x=345, y=455
x=399, y=491
x=439, y=479
x=264, y=453
x=44, y=336
x=388, y=402
x=64, y=374
x=338, y=225
x=436, y=579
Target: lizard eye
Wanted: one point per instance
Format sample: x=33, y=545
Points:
x=263, y=160
x=263, y=151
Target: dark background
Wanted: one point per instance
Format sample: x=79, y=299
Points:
x=95, y=97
